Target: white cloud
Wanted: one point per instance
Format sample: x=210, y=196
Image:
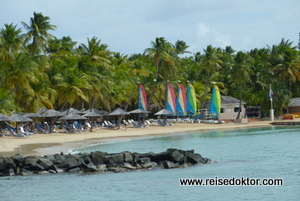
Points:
x=130, y=26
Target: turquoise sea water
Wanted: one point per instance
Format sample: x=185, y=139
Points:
x=270, y=152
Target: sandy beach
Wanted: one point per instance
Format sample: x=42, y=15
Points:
x=41, y=144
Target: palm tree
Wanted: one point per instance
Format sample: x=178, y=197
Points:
x=18, y=75
x=160, y=54
x=286, y=62
x=211, y=63
x=70, y=87
x=240, y=74
x=11, y=41
x=38, y=33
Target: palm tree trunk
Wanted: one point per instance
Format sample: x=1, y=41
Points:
x=240, y=102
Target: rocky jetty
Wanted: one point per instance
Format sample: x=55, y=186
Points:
x=98, y=162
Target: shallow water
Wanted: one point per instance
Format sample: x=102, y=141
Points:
x=270, y=152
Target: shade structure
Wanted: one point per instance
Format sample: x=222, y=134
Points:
x=52, y=113
x=72, y=116
x=4, y=117
x=163, y=112
x=33, y=115
x=42, y=110
x=19, y=118
x=119, y=113
x=96, y=111
x=72, y=110
x=139, y=111
x=92, y=114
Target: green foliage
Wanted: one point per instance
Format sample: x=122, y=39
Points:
x=39, y=70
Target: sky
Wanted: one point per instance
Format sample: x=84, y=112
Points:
x=130, y=26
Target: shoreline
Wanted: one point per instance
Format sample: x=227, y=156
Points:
x=42, y=144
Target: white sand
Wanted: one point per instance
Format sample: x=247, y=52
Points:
x=58, y=142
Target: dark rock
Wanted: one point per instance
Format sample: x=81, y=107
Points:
x=128, y=157
x=163, y=156
x=176, y=156
x=36, y=168
x=89, y=167
x=85, y=159
x=30, y=161
x=194, y=158
x=25, y=172
x=18, y=159
x=50, y=158
x=58, y=158
x=146, y=163
x=3, y=166
x=9, y=163
x=53, y=169
x=69, y=163
x=168, y=164
x=135, y=157
x=129, y=166
x=97, y=157
x=117, y=169
x=9, y=172
x=114, y=159
x=45, y=163
x=74, y=170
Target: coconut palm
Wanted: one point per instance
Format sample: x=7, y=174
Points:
x=11, y=41
x=161, y=57
x=211, y=63
x=38, y=33
x=286, y=62
x=240, y=73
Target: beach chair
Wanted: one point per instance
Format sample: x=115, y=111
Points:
x=161, y=123
x=136, y=125
x=40, y=128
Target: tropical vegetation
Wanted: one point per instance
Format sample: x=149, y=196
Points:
x=38, y=70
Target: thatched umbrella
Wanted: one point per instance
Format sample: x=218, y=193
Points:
x=3, y=118
x=72, y=110
x=52, y=114
x=119, y=113
x=139, y=112
x=32, y=116
x=164, y=112
x=19, y=119
x=92, y=115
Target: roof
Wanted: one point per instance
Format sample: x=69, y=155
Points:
x=230, y=100
x=295, y=102
x=226, y=100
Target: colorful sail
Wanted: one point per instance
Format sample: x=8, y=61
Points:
x=215, y=103
x=171, y=101
x=181, y=101
x=143, y=104
x=191, y=100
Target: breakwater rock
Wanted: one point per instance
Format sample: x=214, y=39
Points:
x=98, y=162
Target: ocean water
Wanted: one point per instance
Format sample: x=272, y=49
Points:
x=269, y=152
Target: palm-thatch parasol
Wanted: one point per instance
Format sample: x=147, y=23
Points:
x=92, y=115
x=72, y=110
x=164, y=112
x=119, y=113
x=72, y=116
x=139, y=112
x=19, y=119
x=52, y=114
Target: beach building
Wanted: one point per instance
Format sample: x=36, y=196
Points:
x=294, y=106
x=229, y=109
